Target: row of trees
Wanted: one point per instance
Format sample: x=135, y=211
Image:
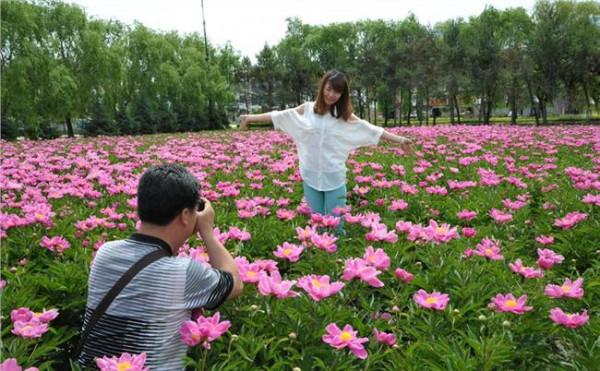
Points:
x=497, y=59
x=62, y=69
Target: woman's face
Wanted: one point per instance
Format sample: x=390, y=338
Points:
x=331, y=96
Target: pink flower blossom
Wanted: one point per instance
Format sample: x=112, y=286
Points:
x=273, y=285
x=289, y=252
x=466, y=214
x=398, y=205
x=440, y=233
x=56, y=244
x=379, y=232
x=545, y=240
x=489, y=248
x=435, y=300
x=570, y=220
x=12, y=365
x=469, y=232
x=319, y=287
x=527, y=272
x=500, y=217
x=568, y=289
x=508, y=303
x=376, y=258
x=384, y=337
x=305, y=234
x=358, y=268
x=285, y=214
x=346, y=338
x=125, y=362
x=212, y=328
x=32, y=329
x=404, y=275
x=547, y=258
x=570, y=320
x=325, y=242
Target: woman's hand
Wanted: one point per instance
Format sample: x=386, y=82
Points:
x=244, y=120
x=407, y=147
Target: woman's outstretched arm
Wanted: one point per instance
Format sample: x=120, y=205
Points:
x=262, y=117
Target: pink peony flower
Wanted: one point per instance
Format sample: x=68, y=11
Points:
x=212, y=328
x=346, y=338
x=545, y=240
x=384, y=337
x=305, y=234
x=32, y=329
x=547, y=258
x=289, y=252
x=125, y=362
x=12, y=365
x=466, y=214
x=435, y=300
x=527, y=272
x=489, y=248
x=273, y=285
x=570, y=320
x=56, y=244
x=319, y=287
x=440, y=233
x=358, y=268
x=403, y=275
x=570, y=220
x=376, y=258
x=325, y=242
x=500, y=217
x=398, y=205
x=568, y=289
x=508, y=303
x=469, y=232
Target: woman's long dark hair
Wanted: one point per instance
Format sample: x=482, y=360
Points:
x=343, y=107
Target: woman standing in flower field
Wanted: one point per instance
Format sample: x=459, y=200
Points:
x=325, y=132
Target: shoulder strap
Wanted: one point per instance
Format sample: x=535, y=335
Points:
x=114, y=291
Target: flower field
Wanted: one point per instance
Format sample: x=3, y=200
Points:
x=481, y=250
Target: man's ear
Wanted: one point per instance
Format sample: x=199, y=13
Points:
x=186, y=216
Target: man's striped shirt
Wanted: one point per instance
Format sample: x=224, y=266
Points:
x=147, y=315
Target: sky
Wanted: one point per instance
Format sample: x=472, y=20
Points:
x=249, y=24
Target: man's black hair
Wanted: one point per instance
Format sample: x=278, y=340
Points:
x=164, y=191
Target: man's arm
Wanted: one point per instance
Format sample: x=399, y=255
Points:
x=219, y=257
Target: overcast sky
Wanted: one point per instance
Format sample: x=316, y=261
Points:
x=249, y=24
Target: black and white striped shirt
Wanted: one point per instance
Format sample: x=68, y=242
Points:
x=147, y=315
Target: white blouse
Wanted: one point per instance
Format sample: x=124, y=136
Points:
x=324, y=143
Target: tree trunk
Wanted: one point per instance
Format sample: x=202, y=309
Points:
x=457, y=108
x=513, y=103
x=488, y=111
x=69, y=125
x=451, y=104
x=409, y=107
x=375, y=111
x=427, y=107
x=588, y=109
x=481, y=108
x=361, y=108
x=367, y=96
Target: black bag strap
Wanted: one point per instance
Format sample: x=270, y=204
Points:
x=114, y=291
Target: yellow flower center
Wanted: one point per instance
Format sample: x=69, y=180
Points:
x=569, y=315
x=39, y=216
x=345, y=336
x=431, y=300
x=511, y=303
x=204, y=255
x=251, y=273
x=566, y=288
x=287, y=252
x=124, y=366
x=489, y=252
x=441, y=230
x=316, y=283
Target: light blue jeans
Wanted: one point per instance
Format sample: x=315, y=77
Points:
x=323, y=202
